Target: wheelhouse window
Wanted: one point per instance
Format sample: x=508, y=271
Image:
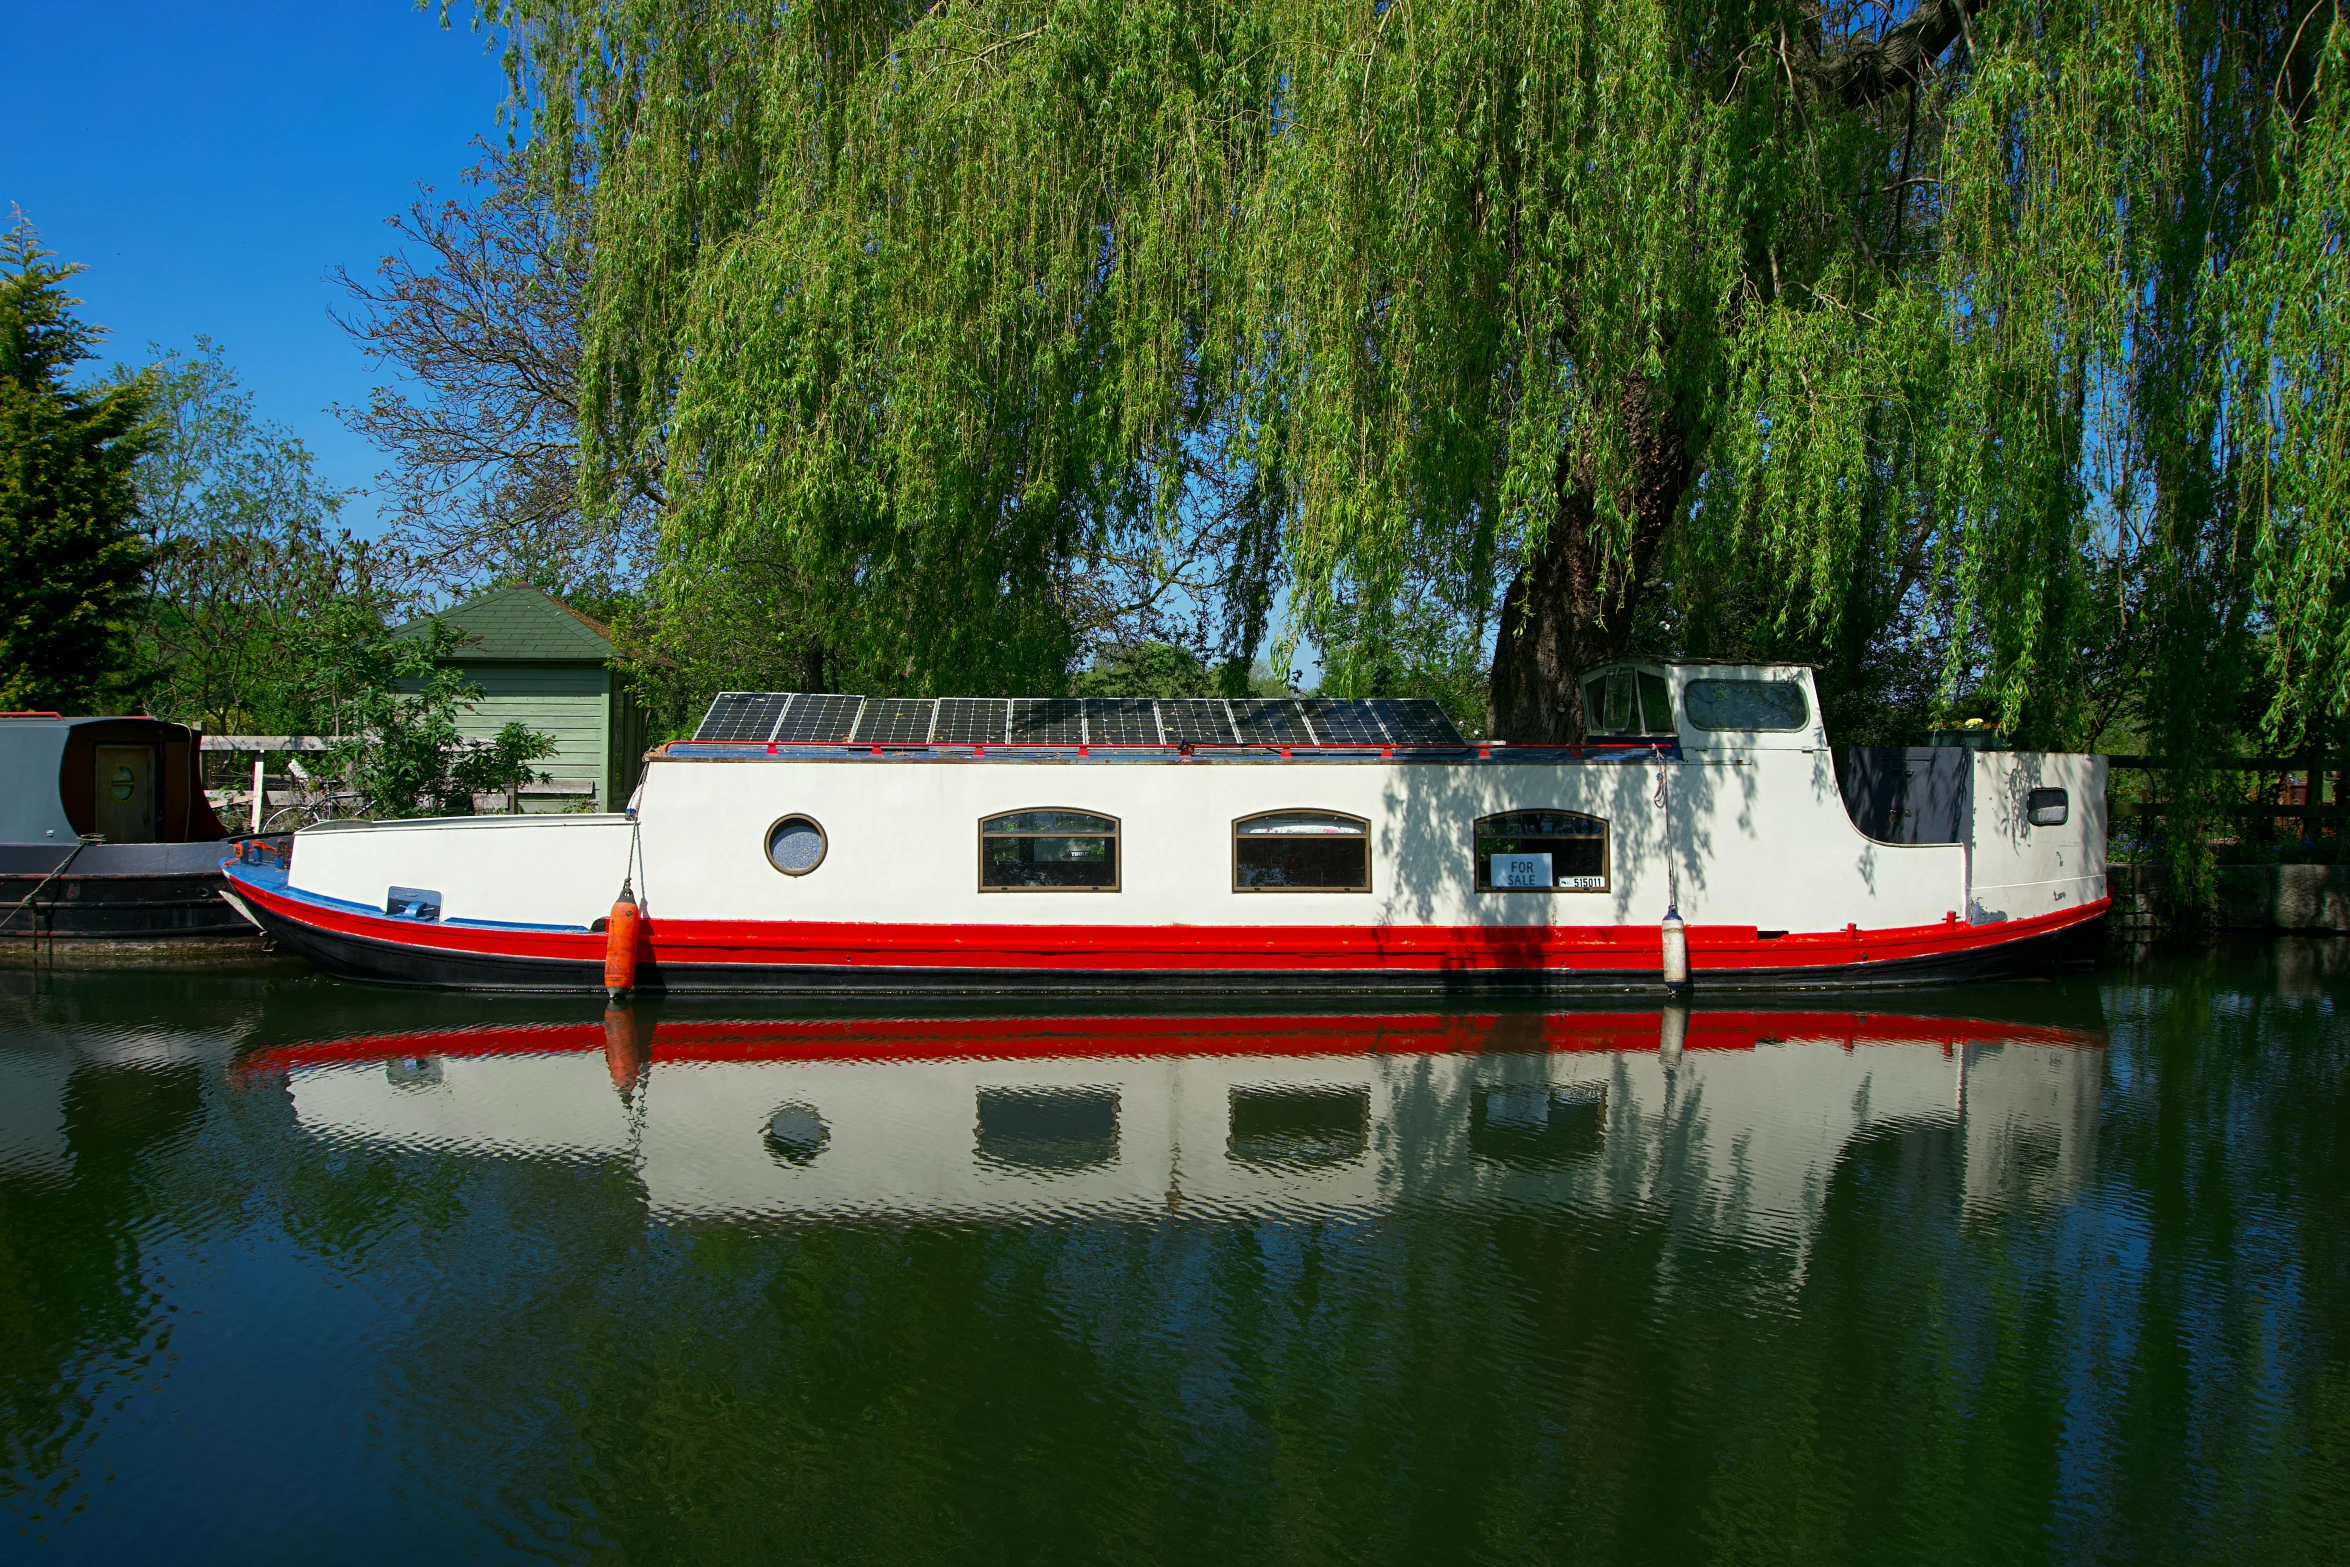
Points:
x=1747, y=704
x=1627, y=702
x=1541, y=851
x=1301, y=851
x=1048, y=851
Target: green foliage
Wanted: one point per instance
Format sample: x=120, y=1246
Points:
x=696, y=632
x=70, y=555
x=1997, y=344
x=402, y=751
x=245, y=558
x=1147, y=669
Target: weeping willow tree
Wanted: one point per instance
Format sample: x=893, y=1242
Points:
x=2000, y=337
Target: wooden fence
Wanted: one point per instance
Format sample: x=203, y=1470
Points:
x=2316, y=797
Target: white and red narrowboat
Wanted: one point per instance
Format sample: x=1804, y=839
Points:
x=817, y=843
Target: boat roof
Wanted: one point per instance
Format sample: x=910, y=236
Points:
x=804, y=718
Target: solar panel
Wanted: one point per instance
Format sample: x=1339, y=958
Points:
x=1416, y=720
x=1121, y=720
x=741, y=715
x=1270, y=721
x=754, y=716
x=1340, y=721
x=969, y=720
x=820, y=718
x=1047, y=721
x=1197, y=720
x=894, y=720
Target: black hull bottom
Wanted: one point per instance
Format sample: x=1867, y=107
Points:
x=394, y=963
x=138, y=909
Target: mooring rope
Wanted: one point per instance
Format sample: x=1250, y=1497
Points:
x=25, y=902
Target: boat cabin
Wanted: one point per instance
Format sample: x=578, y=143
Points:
x=126, y=780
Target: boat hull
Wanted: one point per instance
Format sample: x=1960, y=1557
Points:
x=117, y=894
x=810, y=959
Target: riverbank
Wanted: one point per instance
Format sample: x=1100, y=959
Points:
x=2313, y=899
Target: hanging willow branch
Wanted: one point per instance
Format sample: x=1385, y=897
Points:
x=1597, y=300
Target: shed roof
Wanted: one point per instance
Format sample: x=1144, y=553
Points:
x=520, y=625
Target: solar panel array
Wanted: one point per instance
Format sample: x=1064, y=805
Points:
x=813, y=718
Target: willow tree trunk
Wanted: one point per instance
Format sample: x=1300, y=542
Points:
x=1572, y=605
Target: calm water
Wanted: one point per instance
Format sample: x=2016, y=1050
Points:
x=292, y=1270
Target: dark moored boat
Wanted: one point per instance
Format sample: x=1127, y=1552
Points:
x=105, y=834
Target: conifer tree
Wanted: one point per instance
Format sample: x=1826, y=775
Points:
x=70, y=552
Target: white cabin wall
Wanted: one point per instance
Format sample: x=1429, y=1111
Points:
x=2017, y=870
x=530, y=870
x=1764, y=840
x=903, y=840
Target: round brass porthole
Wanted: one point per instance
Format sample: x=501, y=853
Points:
x=795, y=845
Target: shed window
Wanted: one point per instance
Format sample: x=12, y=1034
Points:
x=1301, y=851
x=1746, y=704
x=1541, y=851
x=1048, y=851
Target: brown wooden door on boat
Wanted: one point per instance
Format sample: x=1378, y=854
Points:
x=126, y=793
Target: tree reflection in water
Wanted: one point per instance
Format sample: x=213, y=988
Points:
x=1387, y=1290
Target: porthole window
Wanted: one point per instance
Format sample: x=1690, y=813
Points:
x=796, y=1134
x=1301, y=851
x=1541, y=851
x=1048, y=851
x=2048, y=807
x=795, y=845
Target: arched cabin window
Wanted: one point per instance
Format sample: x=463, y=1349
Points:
x=1541, y=851
x=1301, y=851
x=1048, y=851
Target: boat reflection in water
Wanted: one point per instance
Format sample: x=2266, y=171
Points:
x=1733, y=1120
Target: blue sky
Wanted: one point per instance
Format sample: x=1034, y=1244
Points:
x=212, y=164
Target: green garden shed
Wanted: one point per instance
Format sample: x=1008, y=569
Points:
x=543, y=664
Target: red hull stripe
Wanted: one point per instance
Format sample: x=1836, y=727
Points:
x=1011, y=1038
x=1180, y=948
